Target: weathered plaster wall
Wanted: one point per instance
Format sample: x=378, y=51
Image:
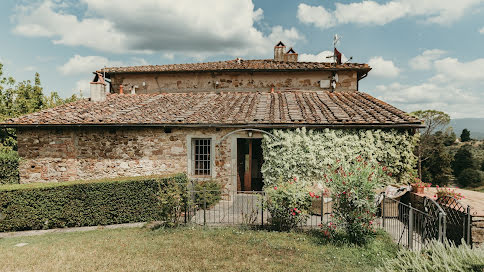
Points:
x=55, y=155
x=231, y=81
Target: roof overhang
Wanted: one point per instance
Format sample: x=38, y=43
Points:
x=194, y=125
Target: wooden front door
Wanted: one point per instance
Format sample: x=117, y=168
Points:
x=249, y=163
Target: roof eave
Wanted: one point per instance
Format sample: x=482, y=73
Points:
x=197, y=125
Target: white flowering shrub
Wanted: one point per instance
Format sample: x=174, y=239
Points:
x=305, y=153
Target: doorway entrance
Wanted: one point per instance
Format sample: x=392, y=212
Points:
x=249, y=164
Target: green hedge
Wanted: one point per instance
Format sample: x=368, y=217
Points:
x=9, y=167
x=85, y=203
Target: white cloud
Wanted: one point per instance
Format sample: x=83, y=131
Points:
x=87, y=64
x=324, y=56
x=30, y=68
x=426, y=59
x=83, y=65
x=383, y=68
x=455, y=88
x=120, y=26
x=481, y=30
x=374, y=13
x=456, y=101
x=453, y=69
x=82, y=87
x=316, y=15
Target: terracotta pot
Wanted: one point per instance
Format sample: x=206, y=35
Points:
x=417, y=189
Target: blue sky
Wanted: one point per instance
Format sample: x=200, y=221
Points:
x=425, y=54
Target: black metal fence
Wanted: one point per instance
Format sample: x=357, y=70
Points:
x=410, y=226
x=212, y=207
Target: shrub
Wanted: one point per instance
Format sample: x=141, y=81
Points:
x=88, y=203
x=288, y=203
x=9, y=161
x=353, y=185
x=437, y=257
x=172, y=197
x=306, y=153
x=208, y=190
x=469, y=177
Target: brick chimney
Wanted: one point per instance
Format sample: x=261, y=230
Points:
x=291, y=55
x=279, y=51
x=98, y=89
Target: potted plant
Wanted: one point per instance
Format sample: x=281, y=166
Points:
x=419, y=186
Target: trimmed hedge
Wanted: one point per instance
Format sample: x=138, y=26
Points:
x=86, y=203
x=9, y=167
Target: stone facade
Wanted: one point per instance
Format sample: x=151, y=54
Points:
x=55, y=155
x=478, y=230
x=231, y=81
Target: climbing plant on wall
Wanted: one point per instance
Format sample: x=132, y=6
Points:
x=305, y=154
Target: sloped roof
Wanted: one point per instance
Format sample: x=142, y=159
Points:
x=237, y=65
x=240, y=109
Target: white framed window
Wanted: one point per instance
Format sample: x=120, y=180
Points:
x=201, y=156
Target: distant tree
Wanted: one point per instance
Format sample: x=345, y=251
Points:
x=462, y=160
x=482, y=166
x=450, y=138
x=434, y=121
x=436, y=168
x=469, y=177
x=465, y=136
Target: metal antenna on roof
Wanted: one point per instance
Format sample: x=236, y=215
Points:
x=336, y=39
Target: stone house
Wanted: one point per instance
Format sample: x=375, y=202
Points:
x=205, y=119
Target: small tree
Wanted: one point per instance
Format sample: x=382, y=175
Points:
x=450, y=138
x=482, y=166
x=465, y=136
x=462, y=160
x=436, y=167
x=434, y=121
x=469, y=177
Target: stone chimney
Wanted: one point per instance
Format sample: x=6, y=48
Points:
x=98, y=89
x=291, y=55
x=279, y=51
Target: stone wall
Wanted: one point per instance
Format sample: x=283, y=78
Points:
x=231, y=81
x=478, y=230
x=55, y=155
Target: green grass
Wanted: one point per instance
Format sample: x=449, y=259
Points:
x=189, y=249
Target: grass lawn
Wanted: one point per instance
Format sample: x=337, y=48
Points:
x=188, y=249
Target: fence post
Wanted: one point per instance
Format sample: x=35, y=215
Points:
x=186, y=206
x=383, y=210
x=410, y=226
x=469, y=224
x=322, y=208
x=204, y=207
x=440, y=227
x=262, y=208
x=444, y=231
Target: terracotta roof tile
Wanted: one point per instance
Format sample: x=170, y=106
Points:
x=235, y=65
x=288, y=108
